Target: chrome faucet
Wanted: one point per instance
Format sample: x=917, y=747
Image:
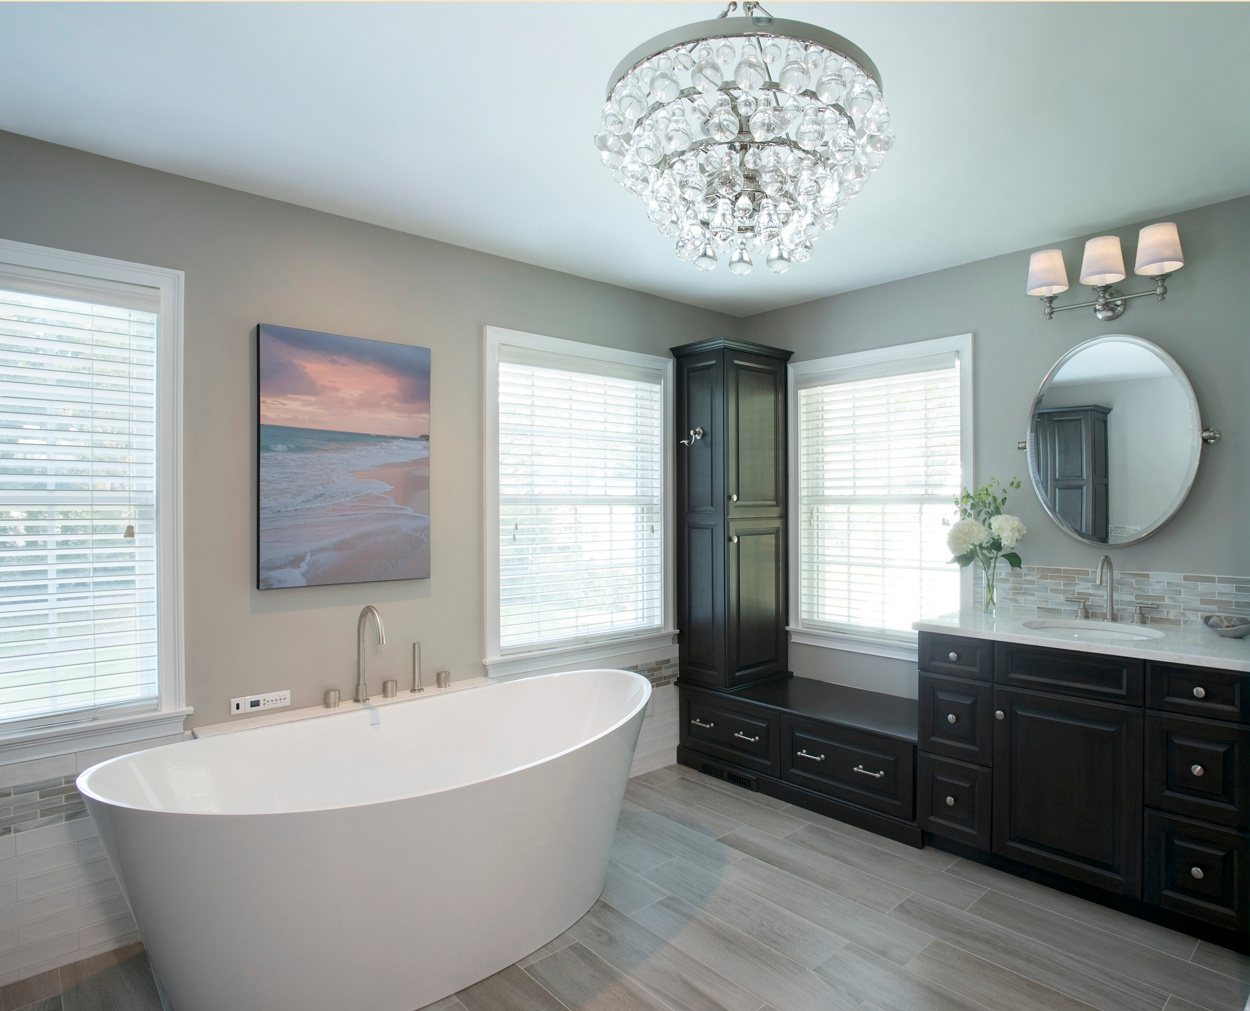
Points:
x=1105, y=568
x=369, y=611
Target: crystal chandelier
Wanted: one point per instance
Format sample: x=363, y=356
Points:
x=744, y=135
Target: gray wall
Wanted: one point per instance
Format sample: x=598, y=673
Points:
x=1203, y=325
x=250, y=260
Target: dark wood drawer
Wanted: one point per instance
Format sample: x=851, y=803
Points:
x=733, y=731
x=956, y=655
x=1198, y=691
x=1086, y=675
x=956, y=718
x=1197, y=870
x=866, y=769
x=953, y=800
x=1198, y=768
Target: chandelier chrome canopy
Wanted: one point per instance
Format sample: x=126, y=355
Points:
x=745, y=135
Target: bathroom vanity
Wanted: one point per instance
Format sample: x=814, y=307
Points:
x=1121, y=768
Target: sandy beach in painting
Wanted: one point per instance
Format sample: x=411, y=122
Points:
x=326, y=519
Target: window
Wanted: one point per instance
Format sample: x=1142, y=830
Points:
x=576, y=517
x=89, y=602
x=881, y=442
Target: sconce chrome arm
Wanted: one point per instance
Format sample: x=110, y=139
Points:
x=1110, y=303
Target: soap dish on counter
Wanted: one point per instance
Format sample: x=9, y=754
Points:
x=1226, y=625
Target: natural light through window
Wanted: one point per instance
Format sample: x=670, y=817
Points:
x=880, y=454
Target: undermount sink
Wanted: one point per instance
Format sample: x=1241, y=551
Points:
x=1084, y=630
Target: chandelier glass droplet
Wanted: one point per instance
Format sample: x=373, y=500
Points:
x=745, y=136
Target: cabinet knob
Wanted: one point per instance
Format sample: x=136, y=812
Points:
x=1196, y=873
x=733, y=497
x=952, y=718
x=1197, y=770
x=1199, y=692
x=695, y=435
x=733, y=538
x=950, y=801
x=952, y=656
x=999, y=714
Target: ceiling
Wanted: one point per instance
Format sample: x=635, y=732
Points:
x=1018, y=124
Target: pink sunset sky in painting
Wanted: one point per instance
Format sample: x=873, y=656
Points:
x=343, y=384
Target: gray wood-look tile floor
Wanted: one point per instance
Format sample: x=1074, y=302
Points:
x=718, y=899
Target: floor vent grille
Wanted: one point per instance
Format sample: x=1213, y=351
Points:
x=738, y=779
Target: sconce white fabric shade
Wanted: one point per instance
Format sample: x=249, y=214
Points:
x=1103, y=262
x=1047, y=274
x=1159, y=250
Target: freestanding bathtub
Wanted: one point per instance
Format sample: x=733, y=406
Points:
x=380, y=858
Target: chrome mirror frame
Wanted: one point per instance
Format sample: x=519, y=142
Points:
x=1202, y=436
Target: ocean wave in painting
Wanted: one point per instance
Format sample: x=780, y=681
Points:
x=342, y=507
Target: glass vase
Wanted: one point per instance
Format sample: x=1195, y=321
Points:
x=989, y=598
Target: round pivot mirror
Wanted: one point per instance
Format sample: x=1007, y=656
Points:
x=1114, y=440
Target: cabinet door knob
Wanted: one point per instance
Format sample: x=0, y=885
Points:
x=733, y=497
x=952, y=656
x=1199, y=692
x=733, y=538
x=952, y=718
x=950, y=801
x=695, y=435
x=1196, y=873
x=1197, y=770
x=999, y=714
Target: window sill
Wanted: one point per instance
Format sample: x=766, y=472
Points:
x=850, y=643
x=49, y=742
x=617, y=653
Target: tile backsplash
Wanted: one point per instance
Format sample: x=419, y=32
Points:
x=1038, y=591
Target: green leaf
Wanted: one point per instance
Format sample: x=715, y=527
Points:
x=967, y=558
x=1012, y=559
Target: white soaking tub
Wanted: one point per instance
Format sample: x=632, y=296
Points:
x=381, y=858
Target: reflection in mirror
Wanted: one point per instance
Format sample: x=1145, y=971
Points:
x=1114, y=440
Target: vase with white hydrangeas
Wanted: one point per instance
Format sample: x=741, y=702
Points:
x=984, y=533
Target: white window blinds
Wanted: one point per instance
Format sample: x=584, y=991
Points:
x=581, y=483
x=879, y=456
x=78, y=539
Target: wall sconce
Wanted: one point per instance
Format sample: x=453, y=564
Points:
x=1158, y=256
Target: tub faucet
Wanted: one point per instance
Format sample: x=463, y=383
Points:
x=369, y=611
x=1105, y=568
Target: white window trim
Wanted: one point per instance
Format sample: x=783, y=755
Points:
x=619, y=652
x=895, y=646
x=171, y=712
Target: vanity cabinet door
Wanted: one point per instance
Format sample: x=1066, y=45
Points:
x=1068, y=783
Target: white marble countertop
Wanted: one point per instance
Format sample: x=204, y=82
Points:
x=1179, y=644
x=346, y=706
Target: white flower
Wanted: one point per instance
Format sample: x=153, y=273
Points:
x=965, y=535
x=1008, y=529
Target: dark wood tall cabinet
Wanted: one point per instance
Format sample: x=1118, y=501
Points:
x=1071, y=460
x=731, y=512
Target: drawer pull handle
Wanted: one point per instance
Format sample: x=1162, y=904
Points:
x=743, y=737
x=1199, y=692
x=814, y=758
x=952, y=656
x=864, y=772
x=952, y=718
x=950, y=801
x=1196, y=873
x=700, y=723
x=1197, y=770
x=999, y=714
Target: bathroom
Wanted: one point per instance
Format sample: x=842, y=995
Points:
x=217, y=186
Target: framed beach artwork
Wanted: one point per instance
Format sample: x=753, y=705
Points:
x=343, y=458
